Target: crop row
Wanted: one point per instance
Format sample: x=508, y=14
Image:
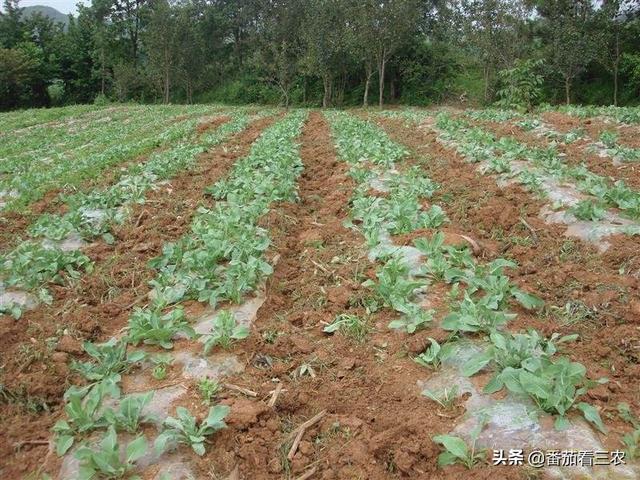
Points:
x=607, y=143
x=220, y=260
x=119, y=141
x=10, y=121
x=478, y=145
x=36, y=262
x=480, y=294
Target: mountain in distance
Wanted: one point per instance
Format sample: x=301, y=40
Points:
x=50, y=12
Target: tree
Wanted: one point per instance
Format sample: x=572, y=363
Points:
x=388, y=26
x=568, y=30
x=324, y=42
x=610, y=23
x=11, y=28
x=160, y=40
x=493, y=31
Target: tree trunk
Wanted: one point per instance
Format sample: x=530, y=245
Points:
x=102, y=71
x=166, y=76
x=326, y=82
x=567, y=89
x=485, y=75
x=367, y=82
x=381, y=67
x=616, y=64
x=615, y=86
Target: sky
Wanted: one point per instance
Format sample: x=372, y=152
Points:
x=64, y=6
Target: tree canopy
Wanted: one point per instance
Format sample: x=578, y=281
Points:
x=321, y=52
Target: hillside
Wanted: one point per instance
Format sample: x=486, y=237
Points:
x=50, y=12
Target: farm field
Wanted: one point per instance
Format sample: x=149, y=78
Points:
x=243, y=292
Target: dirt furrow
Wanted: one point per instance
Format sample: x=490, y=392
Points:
x=584, y=291
x=628, y=134
x=36, y=349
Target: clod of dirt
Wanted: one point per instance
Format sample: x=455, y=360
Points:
x=244, y=413
x=68, y=344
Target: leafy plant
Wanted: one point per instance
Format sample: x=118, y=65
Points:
x=109, y=358
x=161, y=363
x=83, y=416
x=394, y=285
x=185, y=429
x=446, y=397
x=208, y=388
x=631, y=440
x=414, y=318
x=521, y=85
x=129, y=413
x=609, y=138
x=589, y=210
x=434, y=354
x=225, y=331
x=510, y=351
x=555, y=387
x=470, y=315
x=106, y=461
x=155, y=328
x=457, y=450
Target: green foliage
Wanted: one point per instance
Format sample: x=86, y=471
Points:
x=155, y=328
x=457, y=450
x=589, y=210
x=32, y=266
x=470, y=315
x=510, y=351
x=161, y=362
x=434, y=354
x=185, y=429
x=555, y=386
x=521, y=85
x=225, y=331
x=394, y=286
x=108, y=359
x=128, y=415
x=208, y=388
x=83, y=415
x=630, y=440
x=106, y=461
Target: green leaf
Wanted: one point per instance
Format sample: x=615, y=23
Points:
x=160, y=444
x=561, y=423
x=528, y=300
x=198, y=448
x=454, y=445
x=136, y=449
x=63, y=444
x=591, y=414
x=476, y=363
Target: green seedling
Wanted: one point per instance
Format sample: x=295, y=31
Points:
x=106, y=461
x=129, y=414
x=226, y=331
x=152, y=327
x=109, y=358
x=457, y=450
x=434, y=354
x=185, y=429
x=161, y=363
x=208, y=388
